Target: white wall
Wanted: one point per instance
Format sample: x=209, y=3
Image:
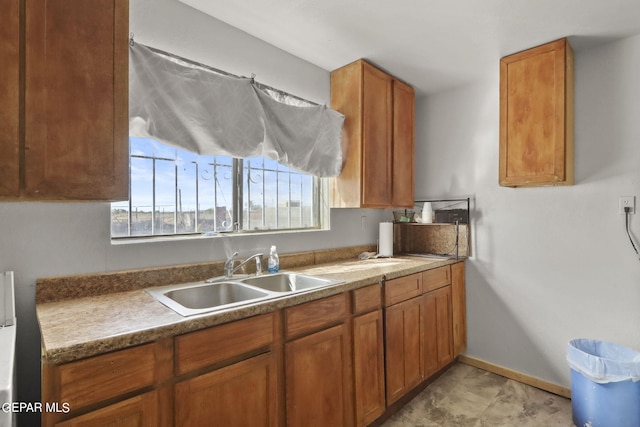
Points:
x=50, y=239
x=552, y=263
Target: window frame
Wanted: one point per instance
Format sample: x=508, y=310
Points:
x=239, y=204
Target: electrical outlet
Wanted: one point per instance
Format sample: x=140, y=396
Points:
x=627, y=202
x=363, y=222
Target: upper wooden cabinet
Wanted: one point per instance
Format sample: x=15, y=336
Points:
x=379, y=129
x=73, y=138
x=10, y=98
x=536, y=116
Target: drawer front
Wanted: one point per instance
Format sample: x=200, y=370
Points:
x=402, y=289
x=139, y=410
x=367, y=299
x=436, y=278
x=316, y=314
x=98, y=378
x=213, y=345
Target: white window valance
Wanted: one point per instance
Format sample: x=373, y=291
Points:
x=195, y=108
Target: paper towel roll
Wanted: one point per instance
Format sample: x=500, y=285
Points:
x=385, y=239
x=427, y=213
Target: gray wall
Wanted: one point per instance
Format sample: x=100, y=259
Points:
x=50, y=239
x=553, y=263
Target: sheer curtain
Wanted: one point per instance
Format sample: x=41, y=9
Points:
x=195, y=108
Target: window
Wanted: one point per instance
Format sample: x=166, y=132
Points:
x=176, y=192
x=199, y=109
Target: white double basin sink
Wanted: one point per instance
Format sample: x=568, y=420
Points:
x=223, y=293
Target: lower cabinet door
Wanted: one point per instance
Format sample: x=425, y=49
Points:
x=368, y=367
x=138, y=411
x=403, y=343
x=241, y=395
x=318, y=379
x=438, y=330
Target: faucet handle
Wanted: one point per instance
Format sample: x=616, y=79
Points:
x=258, y=265
x=228, y=265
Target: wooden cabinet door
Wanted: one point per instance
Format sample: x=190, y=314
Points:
x=445, y=329
x=76, y=99
x=138, y=411
x=377, y=138
x=10, y=99
x=459, y=308
x=403, y=145
x=318, y=379
x=536, y=116
x=368, y=363
x=438, y=337
x=404, y=347
x=240, y=395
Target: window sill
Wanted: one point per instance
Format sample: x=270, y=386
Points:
x=190, y=237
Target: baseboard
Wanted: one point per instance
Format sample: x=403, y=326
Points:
x=515, y=375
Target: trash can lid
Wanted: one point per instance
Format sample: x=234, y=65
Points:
x=603, y=362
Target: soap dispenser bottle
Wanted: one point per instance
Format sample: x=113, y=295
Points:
x=273, y=264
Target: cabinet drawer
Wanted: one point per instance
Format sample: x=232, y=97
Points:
x=367, y=299
x=316, y=314
x=137, y=411
x=109, y=375
x=402, y=288
x=209, y=346
x=436, y=278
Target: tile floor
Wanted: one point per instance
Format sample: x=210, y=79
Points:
x=468, y=396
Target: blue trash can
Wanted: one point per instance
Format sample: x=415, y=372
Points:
x=605, y=384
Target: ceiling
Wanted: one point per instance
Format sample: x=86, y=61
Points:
x=434, y=45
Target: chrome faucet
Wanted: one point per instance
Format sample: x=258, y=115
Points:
x=229, y=268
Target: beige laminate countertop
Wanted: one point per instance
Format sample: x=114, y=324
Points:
x=88, y=326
